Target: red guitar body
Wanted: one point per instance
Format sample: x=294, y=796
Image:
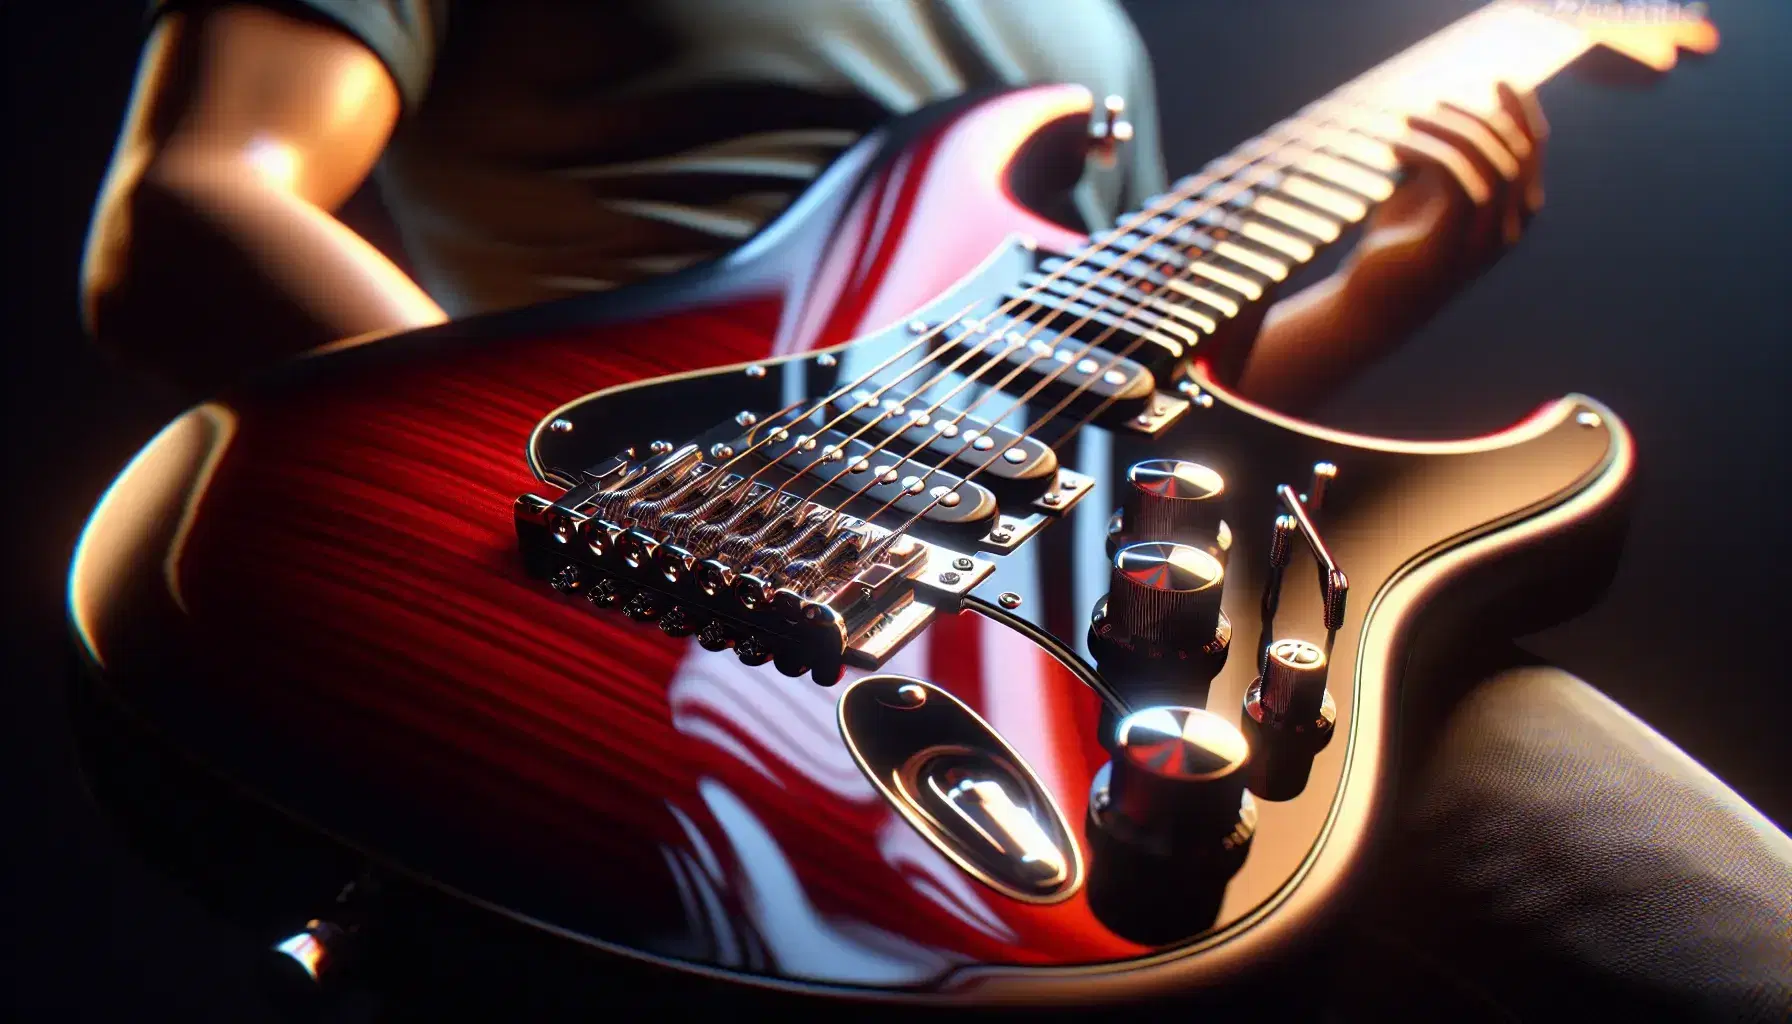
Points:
x=312, y=588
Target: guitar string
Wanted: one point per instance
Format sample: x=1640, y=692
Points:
x=1162, y=204
x=1191, y=190
x=1169, y=201
x=920, y=481
x=1108, y=332
x=1201, y=205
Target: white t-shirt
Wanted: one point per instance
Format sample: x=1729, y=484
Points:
x=553, y=147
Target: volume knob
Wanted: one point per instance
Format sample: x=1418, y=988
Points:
x=1172, y=499
x=1177, y=781
x=1164, y=601
x=1169, y=823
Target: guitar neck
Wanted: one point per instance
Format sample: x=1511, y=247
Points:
x=1217, y=243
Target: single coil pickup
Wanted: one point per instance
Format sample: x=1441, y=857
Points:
x=965, y=439
x=1098, y=376
x=879, y=477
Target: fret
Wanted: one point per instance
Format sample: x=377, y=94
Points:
x=1212, y=299
x=1332, y=201
x=1269, y=268
x=1371, y=152
x=1186, y=235
x=1227, y=279
x=1219, y=241
x=1366, y=183
x=1228, y=228
x=1280, y=241
x=1311, y=224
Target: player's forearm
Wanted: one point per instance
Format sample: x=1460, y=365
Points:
x=202, y=274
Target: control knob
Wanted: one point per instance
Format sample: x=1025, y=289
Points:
x=1170, y=821
x=1163, y=602
x=1291, y=695
x=1177, y=778
x=1172, y=499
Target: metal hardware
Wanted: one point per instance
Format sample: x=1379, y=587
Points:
x=745, y=418
x=1067, y=490
x=313, y=949
x=660, y=447
x=1164, y=411
x=954, y=778
x=1008, y=599
x=826, y=361
x=755, y=371
x=1163, y=602
x=1281, y=543
x=721, y=451
x=674, y=544
x=560, y=425
x=1334, y=586
x=1107, y=134
x=917, y=327
x=1010, y=532
x=1176, y=782
x=1323, y=474
x=1291, y=694
x=1172, y=499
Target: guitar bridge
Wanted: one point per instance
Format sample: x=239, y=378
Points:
x=704, y=552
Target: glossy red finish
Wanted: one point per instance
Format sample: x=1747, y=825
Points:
x=314, y=584
x=352, y=579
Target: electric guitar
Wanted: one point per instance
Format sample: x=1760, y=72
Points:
x=895, y=609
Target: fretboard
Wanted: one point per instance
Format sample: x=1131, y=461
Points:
x=1220, y=240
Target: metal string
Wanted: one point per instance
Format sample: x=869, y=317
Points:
x=1264, y=171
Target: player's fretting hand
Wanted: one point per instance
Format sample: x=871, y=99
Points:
x=1472, y=183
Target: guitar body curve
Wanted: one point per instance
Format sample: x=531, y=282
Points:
x=313, y=586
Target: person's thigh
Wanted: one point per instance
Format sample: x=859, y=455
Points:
x=1554, y=854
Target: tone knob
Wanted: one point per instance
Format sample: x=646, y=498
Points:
x=1164, y=601
x=1177, y=779
x=1291, y=695
x=1169, y=823
x=1172, y=499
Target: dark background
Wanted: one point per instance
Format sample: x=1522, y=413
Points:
x=1656, y=281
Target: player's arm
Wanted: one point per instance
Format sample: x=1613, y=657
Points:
x=213, y=249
